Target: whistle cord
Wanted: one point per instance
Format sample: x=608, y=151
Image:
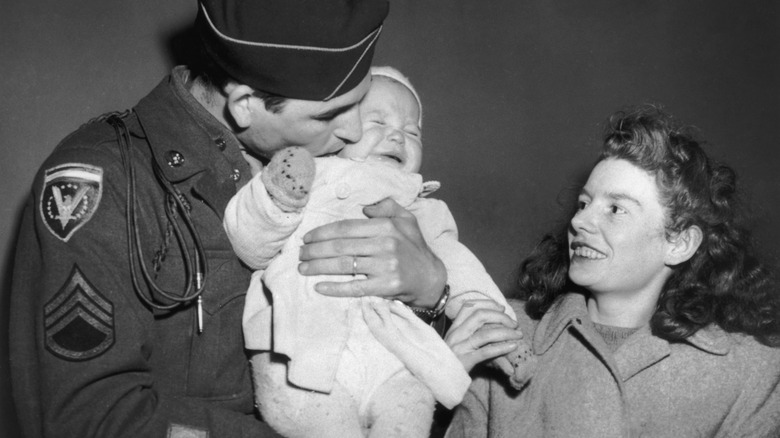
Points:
x=176, y=206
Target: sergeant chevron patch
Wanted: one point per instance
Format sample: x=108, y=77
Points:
x=71, y=194
x=78, y=320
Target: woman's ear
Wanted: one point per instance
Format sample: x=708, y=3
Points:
x=239, y=104
x=683, y=245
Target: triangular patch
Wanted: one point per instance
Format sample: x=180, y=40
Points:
x=71, y=194
x=78, y=320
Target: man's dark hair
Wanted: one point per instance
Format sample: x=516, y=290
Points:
x=215, y=79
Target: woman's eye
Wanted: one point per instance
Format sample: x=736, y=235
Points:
x=581, y=205
x=617, y=209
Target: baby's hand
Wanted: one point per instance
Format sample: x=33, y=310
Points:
x=519, y=365
x=289, y=177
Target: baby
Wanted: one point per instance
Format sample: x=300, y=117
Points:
x=352, y=367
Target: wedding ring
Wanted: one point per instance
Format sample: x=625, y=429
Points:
x=354, y=265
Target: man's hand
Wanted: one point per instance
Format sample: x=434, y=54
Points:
x=388, y=248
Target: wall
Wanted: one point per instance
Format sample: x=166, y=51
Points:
x=513, y=95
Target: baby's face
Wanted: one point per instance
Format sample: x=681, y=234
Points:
x=391, y=133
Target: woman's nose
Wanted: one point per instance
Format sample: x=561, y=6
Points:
x=582, y=220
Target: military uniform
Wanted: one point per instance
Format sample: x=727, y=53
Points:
x=89, y=357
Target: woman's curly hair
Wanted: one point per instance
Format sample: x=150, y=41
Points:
x=723, y=283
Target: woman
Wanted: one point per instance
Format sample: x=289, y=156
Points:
x=649, y=314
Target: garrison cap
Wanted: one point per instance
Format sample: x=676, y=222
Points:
x=299, y=49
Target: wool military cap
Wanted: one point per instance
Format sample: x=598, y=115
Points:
x=299, y=49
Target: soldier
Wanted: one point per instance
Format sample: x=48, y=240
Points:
x=127, y=299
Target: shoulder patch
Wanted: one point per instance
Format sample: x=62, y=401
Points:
x=78, y=320
x=71, y=194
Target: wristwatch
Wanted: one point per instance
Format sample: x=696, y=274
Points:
x=430, y=315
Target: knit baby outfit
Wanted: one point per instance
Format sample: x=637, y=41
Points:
x=312, y=342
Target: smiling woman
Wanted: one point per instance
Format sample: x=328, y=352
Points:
x=649, y=313
x=656, y=203
x=617, y=245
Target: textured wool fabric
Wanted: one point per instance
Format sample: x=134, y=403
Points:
x=325, y=54
x=614, y=336
x=158, y=371
x=288, y=177
x=716, y=384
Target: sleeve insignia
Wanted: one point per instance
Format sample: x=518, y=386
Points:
x=71, y=194
x=78, y=320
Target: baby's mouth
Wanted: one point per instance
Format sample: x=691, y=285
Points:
x=394, y=158
x=391, y=159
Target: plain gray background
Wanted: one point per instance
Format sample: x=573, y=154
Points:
x=513, y=91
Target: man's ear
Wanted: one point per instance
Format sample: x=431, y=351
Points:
x=683, y=245
x=240, y=104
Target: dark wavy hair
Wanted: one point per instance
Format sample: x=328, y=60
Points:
x=723, y=283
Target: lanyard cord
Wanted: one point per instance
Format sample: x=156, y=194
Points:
x=175, y=202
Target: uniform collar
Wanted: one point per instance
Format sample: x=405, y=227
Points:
x=176, y=124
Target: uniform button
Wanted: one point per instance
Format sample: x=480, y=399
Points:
x=343, y=190
x=236, y=175
x=174, y=158
x=221, y=143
